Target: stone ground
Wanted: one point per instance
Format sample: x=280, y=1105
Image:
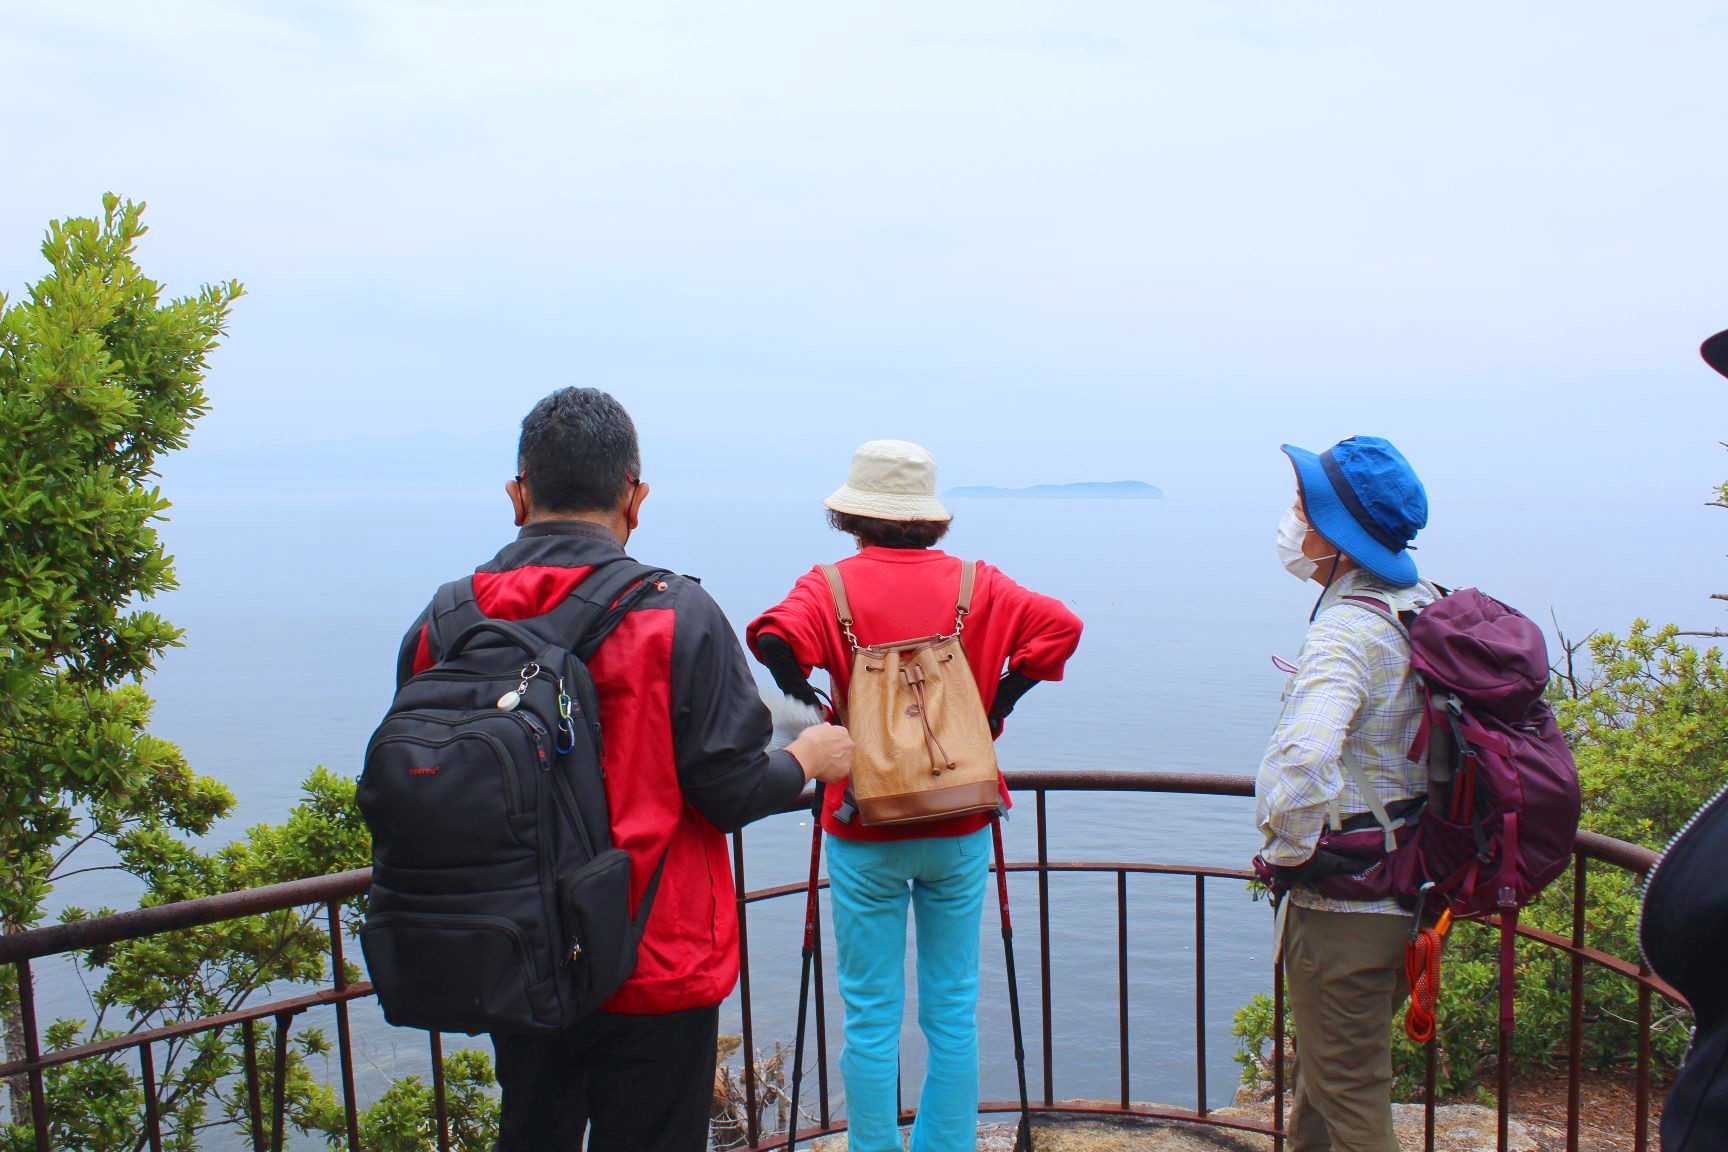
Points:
x=1459, y=1128
x=1539, y=1125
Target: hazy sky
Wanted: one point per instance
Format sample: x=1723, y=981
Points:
x=1054, y=241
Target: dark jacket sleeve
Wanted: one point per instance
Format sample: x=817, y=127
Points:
x=720, y=727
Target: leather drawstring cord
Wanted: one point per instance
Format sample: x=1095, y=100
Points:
x=914, y=677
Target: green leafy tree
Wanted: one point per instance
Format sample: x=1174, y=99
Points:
x=1650, y=733
x=99, y=377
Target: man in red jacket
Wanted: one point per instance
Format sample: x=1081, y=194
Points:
x=686, y=760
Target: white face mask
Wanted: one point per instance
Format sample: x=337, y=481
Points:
x=1292, y=534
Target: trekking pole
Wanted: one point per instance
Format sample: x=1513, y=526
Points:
x=804, y=977
x=1023, y=1135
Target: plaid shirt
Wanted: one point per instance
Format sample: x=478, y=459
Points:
x=1352, y=691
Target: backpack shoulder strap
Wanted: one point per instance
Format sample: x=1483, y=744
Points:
x=598, y=605
x=453, y=612
x=582, y=621
x=968, y=582
x=837, y=589
x=842, y=606
x=1353, y=769
x=1383, y=610
x=579, y=623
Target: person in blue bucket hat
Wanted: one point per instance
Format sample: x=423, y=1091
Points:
x=1363, y=497
x=1351, y=709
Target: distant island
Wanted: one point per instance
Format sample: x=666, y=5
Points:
x=1094, y=490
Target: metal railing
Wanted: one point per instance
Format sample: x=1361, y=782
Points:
x=332, y=891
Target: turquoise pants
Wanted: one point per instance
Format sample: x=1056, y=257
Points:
x=870, y=885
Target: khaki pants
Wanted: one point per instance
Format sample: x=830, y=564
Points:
x=1345, y=972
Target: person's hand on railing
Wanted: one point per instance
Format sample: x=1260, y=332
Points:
x=824, y=751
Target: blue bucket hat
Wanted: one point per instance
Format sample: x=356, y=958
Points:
x=1363, y=496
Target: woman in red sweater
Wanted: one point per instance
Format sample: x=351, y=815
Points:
x=901, y=586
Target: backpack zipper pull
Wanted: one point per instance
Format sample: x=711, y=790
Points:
x=537, y=733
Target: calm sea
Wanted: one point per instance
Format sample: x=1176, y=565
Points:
x=293, y=606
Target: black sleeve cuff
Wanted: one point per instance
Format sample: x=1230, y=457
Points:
x=783, y=781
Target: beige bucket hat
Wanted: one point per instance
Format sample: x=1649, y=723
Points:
x=890, y=480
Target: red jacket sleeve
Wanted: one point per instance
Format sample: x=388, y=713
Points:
x=1045, y=633
x=805, y=620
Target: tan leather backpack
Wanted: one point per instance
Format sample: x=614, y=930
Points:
x=922, y=747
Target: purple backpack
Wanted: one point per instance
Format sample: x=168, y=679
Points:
x=1501, y=813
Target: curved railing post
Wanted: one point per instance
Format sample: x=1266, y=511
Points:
x=339, y=977
x=440, y=1101
x=33, y=1054
x=1122, y=978
x=1278, y=1132
x=822, y=1105
x=747, y=1033
x=1200, y=992
x=1429, y=1052
x=152, y=1107
x=1641, y=1121
x=1044, y=949
x=279, y=1086
x=1575, y=1027
x=254, y=1101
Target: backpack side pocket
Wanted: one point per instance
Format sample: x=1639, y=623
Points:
x=599, y=939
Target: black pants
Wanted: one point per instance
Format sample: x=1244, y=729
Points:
x=635, y=1083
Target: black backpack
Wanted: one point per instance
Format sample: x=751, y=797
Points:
x=498, y=901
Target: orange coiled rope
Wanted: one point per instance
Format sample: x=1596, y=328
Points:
x=1422, y=968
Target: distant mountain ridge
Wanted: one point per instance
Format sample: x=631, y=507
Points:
x=1088, y=490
